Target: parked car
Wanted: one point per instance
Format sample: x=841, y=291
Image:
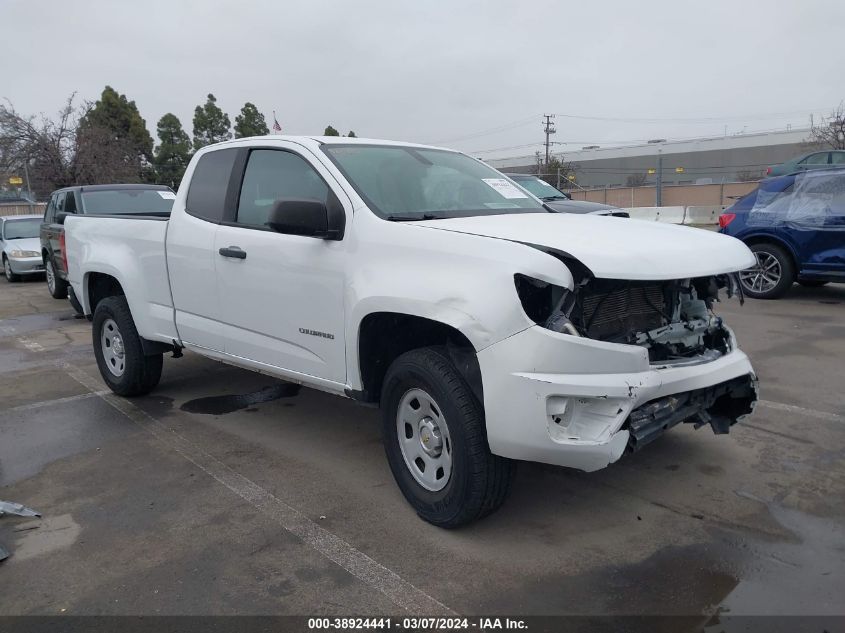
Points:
x=423, y=281
x=20, y=247
x=92, y=200
x=795, y=226
x=813, y=160
x=560, y=201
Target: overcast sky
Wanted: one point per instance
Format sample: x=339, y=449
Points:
x=475, y=75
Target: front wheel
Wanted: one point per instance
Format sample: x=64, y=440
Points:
x=773, y=275
x=7, y=271
x=55, y=284
x=436, y=441
x=120, y=355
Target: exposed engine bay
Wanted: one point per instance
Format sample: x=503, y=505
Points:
x=673, y=319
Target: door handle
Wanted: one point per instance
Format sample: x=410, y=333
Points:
x=233, y=251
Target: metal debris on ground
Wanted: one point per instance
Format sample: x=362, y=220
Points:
x=7, y=507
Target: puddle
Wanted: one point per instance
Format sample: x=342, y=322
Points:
x=804, y=576
x=219, y=405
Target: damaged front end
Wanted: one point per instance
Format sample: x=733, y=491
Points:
x=672, y=319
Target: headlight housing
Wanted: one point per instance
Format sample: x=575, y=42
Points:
x=19, y=254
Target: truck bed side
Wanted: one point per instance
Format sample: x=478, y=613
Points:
x=132, y=251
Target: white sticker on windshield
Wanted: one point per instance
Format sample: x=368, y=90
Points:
x=504, y=188
x=167, y=195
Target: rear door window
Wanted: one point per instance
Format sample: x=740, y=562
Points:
x=209, y=184
x=817, y=159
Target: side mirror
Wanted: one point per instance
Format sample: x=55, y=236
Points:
x=311, y=218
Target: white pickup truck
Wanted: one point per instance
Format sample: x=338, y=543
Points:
x=487, y=328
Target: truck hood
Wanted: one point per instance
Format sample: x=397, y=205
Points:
x=612, y=248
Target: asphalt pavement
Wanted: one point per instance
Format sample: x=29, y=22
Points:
x=229, y=492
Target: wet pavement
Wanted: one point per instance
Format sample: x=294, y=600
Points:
x=228, y=492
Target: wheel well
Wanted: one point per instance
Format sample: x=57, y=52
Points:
x=102, y=286
x=768, y=239
x=384, y=336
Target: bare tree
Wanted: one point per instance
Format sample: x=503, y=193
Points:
x=61, y=151
x=636, y=180
x=830, y=131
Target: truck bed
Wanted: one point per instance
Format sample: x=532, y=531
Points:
x=132, y=250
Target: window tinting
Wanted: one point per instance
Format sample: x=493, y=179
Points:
x=50, y=211
x=118, y=201
x=207, y=192
x=837, y=158
x=70, y=203
x=817, y=159
x=276, y=175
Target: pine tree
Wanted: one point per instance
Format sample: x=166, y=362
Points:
x=330, y=131
x=351, y=134
x=173, y=153
x=211, y=124
x=250, y=122
x=116, y=121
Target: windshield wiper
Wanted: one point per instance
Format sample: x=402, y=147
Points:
x=555, y=198
x=413, y=218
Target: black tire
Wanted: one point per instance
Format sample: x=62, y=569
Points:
x=811, y=283
x=479, y=481
x=140, y=373
x=58, y=289
x=7, y=272
x=785, y=276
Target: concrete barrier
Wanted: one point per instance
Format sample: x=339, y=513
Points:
x=672, y=215
x=703, y=215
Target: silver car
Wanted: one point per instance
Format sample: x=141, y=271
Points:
x=20, y=246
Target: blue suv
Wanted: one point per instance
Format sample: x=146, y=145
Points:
x=795, y=226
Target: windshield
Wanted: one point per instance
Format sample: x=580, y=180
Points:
x=19, y=229
x=116, y=201
x=405, y=183
x=539, y=188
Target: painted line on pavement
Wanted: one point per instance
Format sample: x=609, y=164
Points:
x=389, y=583
x=57, y=401
x=810, y=413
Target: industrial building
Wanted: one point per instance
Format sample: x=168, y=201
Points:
x=714, y=160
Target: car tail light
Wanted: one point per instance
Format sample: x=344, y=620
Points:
x=63, y=248
x=768, y=171
x=725, y=219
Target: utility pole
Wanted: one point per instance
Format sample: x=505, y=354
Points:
x=548, y=128
x=659, y=188
x=28, y=187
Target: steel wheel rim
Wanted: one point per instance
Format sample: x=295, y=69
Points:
x=764, y=276
x=51, y=279
x=114, y=352
x=424, y=440
x=7, y=269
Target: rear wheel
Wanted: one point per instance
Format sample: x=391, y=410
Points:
x=7, y=271
x=120, y=355
x=55, y=284
x=436, y=441
x=773, y=275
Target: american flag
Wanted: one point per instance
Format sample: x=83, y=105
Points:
x=276, y=126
